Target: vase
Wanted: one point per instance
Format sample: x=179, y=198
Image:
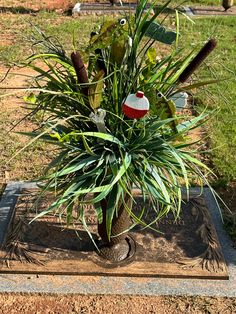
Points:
x=117, y=248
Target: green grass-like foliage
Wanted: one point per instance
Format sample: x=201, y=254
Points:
x=107, y=160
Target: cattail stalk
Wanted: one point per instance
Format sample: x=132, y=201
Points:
x=80, y=70
x=197, y=61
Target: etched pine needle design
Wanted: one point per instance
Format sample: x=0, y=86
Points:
x=211, y=259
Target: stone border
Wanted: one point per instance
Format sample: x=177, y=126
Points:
x=212, y=11
x=106, y=8
x=15, y=283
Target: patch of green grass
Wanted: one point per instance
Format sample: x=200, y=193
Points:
x=9, y=54
x=18, y=28
x=230, y=225
x=221, y=96
x=30, y=163
x=187, y=3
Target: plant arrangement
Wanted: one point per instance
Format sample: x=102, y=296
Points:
x=108, y=110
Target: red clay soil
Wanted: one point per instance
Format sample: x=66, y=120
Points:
x=58, y=5
x=45, y=304
x=39, y=4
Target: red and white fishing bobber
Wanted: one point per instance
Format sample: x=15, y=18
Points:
x=135, y=106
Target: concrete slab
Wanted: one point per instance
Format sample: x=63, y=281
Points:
x=120, y=285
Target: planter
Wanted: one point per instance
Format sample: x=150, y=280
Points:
x=118, y=248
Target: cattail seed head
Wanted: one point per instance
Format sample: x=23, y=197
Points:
x=80, y=70
x=197, y=61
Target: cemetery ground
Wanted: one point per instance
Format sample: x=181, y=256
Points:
x=221, y=139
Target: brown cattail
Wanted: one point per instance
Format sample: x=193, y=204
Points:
x=80, y=70
x=197, y=61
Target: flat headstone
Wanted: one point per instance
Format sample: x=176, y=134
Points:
x=112, y=285
x=184, y=248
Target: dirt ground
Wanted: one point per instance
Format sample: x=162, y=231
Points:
x=29, y=162
x=36, y=5
x=45, y=304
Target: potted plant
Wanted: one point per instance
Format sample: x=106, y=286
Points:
x=109, y=111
